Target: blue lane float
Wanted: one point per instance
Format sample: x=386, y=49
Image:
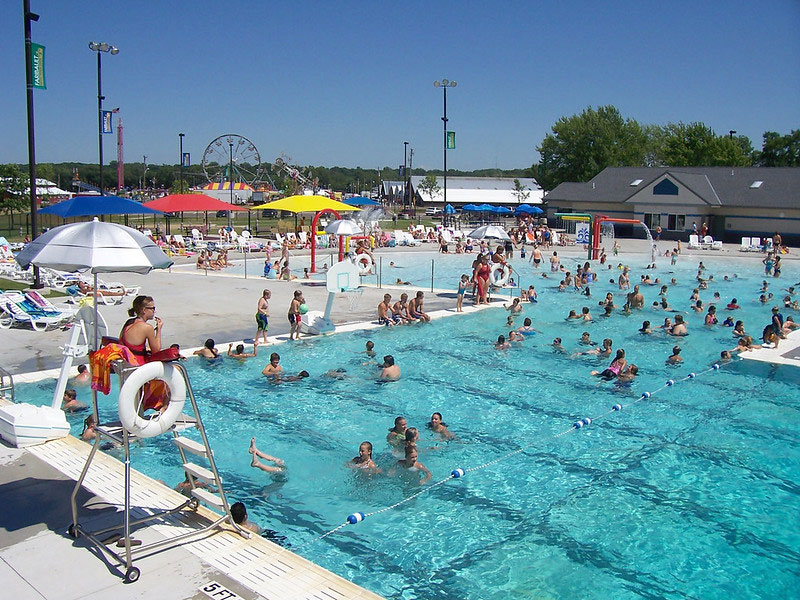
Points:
x=356, y=518
x=457, y=473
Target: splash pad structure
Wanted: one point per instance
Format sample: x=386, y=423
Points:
x=343, y=277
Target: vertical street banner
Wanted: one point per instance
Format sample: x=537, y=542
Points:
x=107, y=121
x=37, y=66
x=185, y=160
x=451, y=140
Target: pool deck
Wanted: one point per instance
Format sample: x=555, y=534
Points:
x=39, y=560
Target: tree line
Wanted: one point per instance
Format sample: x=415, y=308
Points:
x=582, y=145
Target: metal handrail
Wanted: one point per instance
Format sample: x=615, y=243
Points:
x=3, y=387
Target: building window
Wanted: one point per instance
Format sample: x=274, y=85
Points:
x=676, y=222
x=665, y=188
x=652, y=220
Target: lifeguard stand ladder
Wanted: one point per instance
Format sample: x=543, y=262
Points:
x=118, y=434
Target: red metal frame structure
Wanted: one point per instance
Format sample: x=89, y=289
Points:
x=314, y=238
x=599, y=220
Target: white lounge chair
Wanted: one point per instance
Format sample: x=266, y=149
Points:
x=694, y=242
x=12, y=312
x=755, y=244
x=43, y=303
x=745, y=247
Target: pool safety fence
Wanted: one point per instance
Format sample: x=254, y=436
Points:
x=461, y=472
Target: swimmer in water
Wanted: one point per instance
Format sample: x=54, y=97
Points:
x=675, y=358
x=615, y=368
x=397, y=434
x=364, y=459
x=557, y=347
x=410, y=463
x=501, y=343
x=439, y=427
x=255, y=463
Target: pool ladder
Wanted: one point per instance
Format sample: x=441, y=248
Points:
x=121, y=436
x=6, y=387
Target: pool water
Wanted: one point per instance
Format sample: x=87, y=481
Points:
x=691, y=493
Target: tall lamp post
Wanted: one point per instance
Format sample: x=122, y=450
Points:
x=230, y=177
x=444, y=84
x=31, y=16
x=405, y=174
x=101, y=47
x=180, y=135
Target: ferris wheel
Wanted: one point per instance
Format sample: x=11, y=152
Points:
x=232, y=157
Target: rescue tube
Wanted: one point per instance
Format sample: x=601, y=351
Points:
x=500, y=281
x=364, y=263
x=130, y=399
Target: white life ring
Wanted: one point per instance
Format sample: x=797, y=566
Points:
x=501, y=281
x=364, y=263
x=129, y=399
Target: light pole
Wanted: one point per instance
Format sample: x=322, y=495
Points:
x=180, y=135
x=101, y=47
x=444, y=84
x=731, y=132
x=230, y=177
x=405, y=174
x=31, y=16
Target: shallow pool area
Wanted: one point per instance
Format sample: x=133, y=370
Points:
x=691, y=493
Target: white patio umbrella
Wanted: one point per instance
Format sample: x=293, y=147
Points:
x=97, y=247
x=343, y=227
x=488, y=231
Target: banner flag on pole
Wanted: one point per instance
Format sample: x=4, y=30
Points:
x=107, y=121
x=185, y=160
x=451, y=140
x=37, y=66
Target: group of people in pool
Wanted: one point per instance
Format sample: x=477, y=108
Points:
x=619, y=370
x=402, y=438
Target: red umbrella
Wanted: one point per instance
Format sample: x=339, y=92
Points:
x=190, y=202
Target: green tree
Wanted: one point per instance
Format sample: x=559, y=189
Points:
x=780, y=150
x=696, y=145
x=430, y=186
x=14, y=189
x=583, y=145
x=520, y=191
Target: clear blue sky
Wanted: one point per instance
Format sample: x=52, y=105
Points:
x=345, y=83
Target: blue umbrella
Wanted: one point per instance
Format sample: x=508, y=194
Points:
x=88, y=206
x=502, y=210
x=486, y=207
x=471, y=208
x=361, y=201
x=527, y=208
x=449, y=210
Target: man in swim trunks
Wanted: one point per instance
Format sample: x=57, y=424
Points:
x=295, y=318
x=384, y=311
x=262, y=315
x=415, y=309
x=400, y=310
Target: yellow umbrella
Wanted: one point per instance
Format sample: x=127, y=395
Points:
x=298, y=204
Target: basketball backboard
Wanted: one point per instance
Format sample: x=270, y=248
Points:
x=343, y=276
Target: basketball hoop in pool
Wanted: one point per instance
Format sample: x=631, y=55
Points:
x=342, y=277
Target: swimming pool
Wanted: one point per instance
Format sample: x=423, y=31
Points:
x=691, y=493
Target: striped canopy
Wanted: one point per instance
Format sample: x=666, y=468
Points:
x=226, y=185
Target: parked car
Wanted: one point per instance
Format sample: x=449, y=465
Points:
x=432, y=211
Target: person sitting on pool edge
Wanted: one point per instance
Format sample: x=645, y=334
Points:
x=416, y=310
x=385, y=316
x=239, y=516
x=389, y=370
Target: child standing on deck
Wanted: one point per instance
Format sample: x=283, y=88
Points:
x=462, y=289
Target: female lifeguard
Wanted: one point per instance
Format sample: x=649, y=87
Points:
x=137, y=334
